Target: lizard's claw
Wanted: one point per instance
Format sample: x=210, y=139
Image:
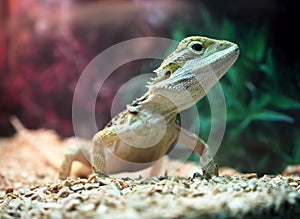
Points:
x=210, y=169
x=216, y=169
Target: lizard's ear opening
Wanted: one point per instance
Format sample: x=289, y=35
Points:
x=168, y=74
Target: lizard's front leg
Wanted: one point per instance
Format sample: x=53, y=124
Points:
x=194, y=142
x=98, y=155
x=102, y=139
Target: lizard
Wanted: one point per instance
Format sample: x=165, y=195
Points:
x=145, y=130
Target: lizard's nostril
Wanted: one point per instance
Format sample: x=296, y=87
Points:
x=222, y=46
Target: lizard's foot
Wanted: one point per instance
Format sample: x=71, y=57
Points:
x=212, y=170
x=100, y=173
x=207, y=173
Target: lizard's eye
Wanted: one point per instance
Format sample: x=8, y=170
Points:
x=197, y=47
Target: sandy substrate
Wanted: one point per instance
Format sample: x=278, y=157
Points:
x=29, y=188
x=164, y=197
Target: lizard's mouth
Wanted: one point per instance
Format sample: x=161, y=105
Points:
x=225, y=60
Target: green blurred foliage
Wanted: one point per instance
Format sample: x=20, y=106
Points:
x=263, y=132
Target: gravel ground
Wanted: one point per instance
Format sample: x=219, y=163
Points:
x=29, y=163
x=243, y=196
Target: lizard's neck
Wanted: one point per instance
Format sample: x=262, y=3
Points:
x=154, y=104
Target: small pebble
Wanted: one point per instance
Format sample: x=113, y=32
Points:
x=77, y=187
x=9, y=190
x=85, y=207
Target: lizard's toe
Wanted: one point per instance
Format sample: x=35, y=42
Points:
x=210, y=170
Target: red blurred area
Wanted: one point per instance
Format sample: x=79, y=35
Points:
x=45, y=45
x=36, y=74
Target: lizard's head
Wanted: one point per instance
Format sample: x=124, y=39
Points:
x=195, y=66
x=197, y=53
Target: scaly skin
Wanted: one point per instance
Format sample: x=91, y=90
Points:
x=144, y=132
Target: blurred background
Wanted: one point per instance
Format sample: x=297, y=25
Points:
x=45, y=45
